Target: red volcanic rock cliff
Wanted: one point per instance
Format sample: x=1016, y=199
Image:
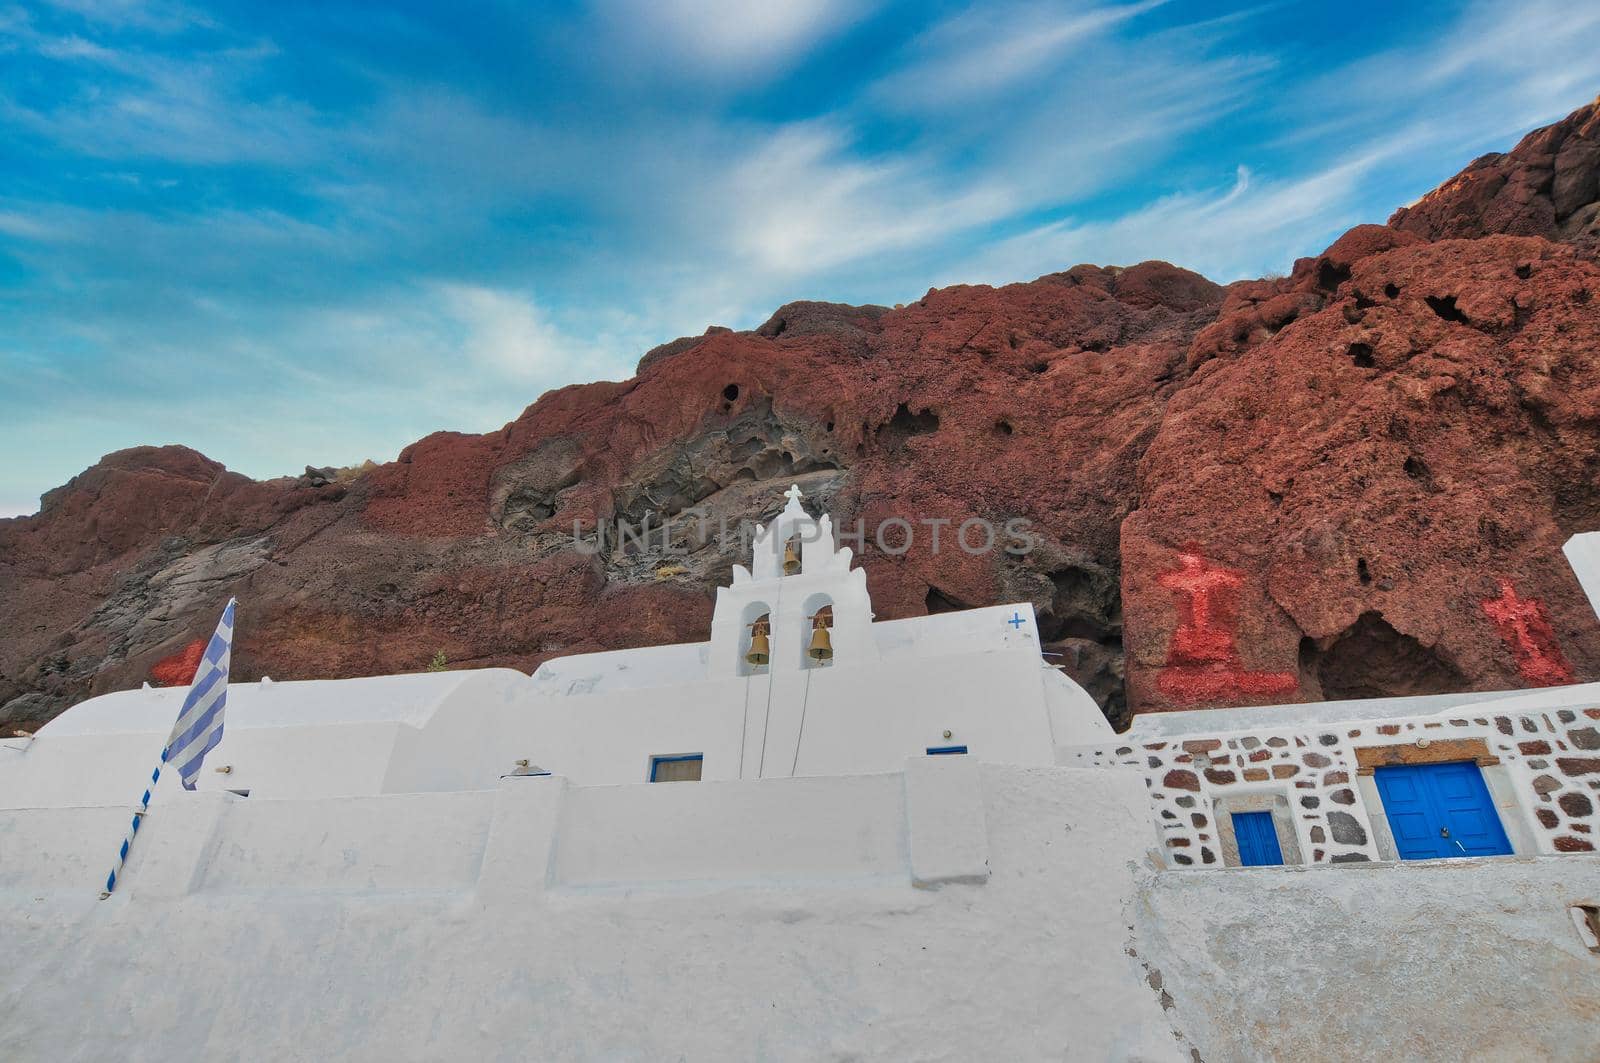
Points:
x=1349, y=482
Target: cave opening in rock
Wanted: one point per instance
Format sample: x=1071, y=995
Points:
x=1445, y=307
x=1330, y=276
x=936, y=601
x=905, y=424
x=1371, y=659
x=731, y=392
x=1080, y=628
x=1361, y=355
x=920, y=423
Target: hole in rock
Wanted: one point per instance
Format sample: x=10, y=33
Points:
x=1418, y=470
x=1003, y=427
x=1370, y=659
x=1081, y=628
x=939, y=602
x=1391, y=291
x=1363, y=573
x=1524, y=271
x=1330, y=276
x=905, y=424
x=914, y=424
x=1038, y=367
x=731, y=392
x=1361, y=355
x=1445, y=307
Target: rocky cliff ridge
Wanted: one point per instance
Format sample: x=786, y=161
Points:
x=1351, y=481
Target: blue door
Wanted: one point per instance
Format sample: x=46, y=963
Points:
x=1438, y=811
x=1257, y=838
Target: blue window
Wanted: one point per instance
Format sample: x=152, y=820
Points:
x=1437, y=811
x=944, y=751
x=1257, y=838
x=682, y=768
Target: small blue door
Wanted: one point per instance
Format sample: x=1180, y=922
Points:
x=1257, y=838
x=1437, y=811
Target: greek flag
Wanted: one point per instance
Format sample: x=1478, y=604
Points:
x=199, y=726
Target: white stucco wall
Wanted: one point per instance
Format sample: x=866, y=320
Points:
x=953, y=911
x=776, y=919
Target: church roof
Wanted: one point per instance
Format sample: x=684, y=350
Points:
x=409, y=699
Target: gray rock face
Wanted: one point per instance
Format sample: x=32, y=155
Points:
x=158, y=600
x=29, y=712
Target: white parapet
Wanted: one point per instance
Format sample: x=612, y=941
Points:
x=1583, y=554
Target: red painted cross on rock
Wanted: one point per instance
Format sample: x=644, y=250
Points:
x=1525, y=629
x=1203, y=662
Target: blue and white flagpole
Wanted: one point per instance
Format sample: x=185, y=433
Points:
x=196, y=733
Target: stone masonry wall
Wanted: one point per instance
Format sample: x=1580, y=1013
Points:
x=1551, y=756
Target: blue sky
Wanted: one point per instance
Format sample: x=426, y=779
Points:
x=312, y=233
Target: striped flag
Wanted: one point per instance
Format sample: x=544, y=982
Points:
x=199, y=726
x=197, y=732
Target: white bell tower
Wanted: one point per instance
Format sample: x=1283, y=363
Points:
x=791, y=600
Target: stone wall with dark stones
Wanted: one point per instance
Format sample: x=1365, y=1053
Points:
x=1552, y=758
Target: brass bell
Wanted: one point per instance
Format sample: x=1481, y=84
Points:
x=821, y=645
x=791, y=560
x=760, y=649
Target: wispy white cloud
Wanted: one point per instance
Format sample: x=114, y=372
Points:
x=1496, y=72
x=150, y=15
x=137, y=102
x=1493, y=76
x=14, y=223
x=374, y=238
x=988, y=47
x=802, y=202
x=508, y=335
x=719, y=38
x=1244, y=230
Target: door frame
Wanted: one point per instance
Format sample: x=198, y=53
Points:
x=1504, y=797
x=1273, y=799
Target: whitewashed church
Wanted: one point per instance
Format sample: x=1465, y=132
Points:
x=906, y=839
